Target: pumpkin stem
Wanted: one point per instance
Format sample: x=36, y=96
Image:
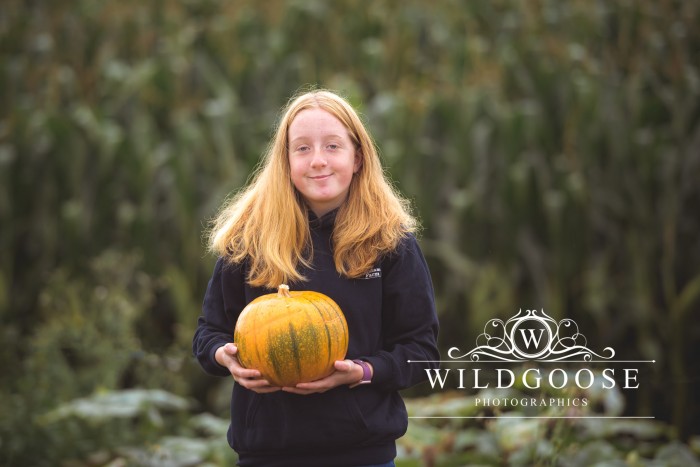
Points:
x=283, y=291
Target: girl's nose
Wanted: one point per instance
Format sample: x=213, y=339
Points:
x=318, y=160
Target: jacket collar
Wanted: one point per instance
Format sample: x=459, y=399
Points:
x=324, y=222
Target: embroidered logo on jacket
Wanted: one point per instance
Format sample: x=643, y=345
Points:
x=373, y=273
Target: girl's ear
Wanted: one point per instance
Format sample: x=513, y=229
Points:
x=358, y=161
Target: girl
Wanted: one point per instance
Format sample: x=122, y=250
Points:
x=319, y=215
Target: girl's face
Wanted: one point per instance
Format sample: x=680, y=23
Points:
x=322, y=159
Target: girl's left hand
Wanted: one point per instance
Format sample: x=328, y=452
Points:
x=346, y=372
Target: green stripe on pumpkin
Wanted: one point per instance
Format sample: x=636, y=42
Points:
x=329, y=346
x=338, y=320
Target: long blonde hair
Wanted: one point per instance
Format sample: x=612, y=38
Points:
x=266, y=223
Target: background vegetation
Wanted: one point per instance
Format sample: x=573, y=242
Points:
x=551, y=148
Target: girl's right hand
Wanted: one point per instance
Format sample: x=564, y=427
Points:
x=249, y=379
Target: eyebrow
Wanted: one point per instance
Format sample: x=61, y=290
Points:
x=325, y=137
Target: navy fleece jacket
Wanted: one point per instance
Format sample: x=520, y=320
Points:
x=391, y=319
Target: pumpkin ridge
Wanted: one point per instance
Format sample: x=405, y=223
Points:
x=272, y=357
x=257, y=347
x=328, y=333
x=337, y=326
x=339, y=318
x=309, y=334
x=295, y=348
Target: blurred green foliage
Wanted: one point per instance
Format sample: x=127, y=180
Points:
x=552, y=151
x=450, y=429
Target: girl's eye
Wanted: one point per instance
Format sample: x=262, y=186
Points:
x=332, y=146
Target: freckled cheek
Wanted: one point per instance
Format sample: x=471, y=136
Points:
x=297, y=176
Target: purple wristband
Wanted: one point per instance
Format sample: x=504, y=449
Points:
x=366, y=372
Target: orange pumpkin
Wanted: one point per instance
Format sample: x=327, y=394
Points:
x=291, y=337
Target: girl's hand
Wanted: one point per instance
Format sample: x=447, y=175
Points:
x=346, y=372
x=249, y=379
